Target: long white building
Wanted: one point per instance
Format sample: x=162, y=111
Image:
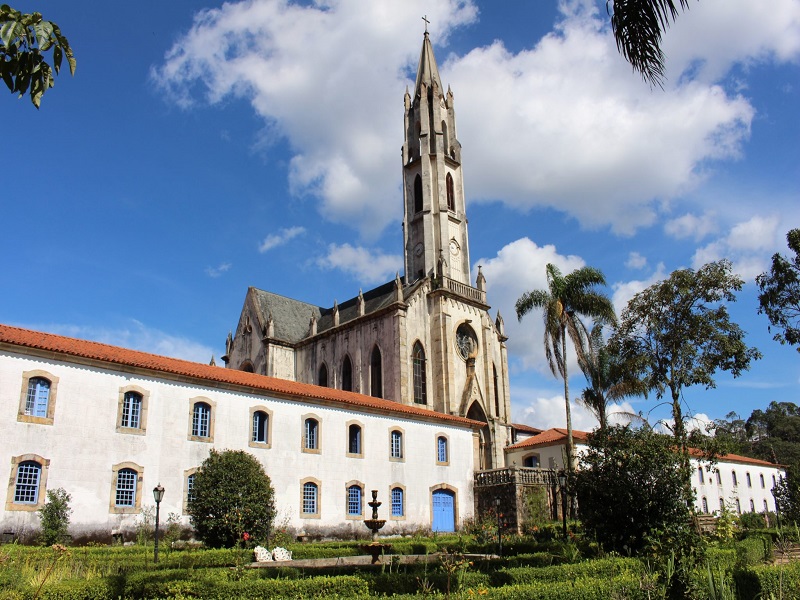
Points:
x=742, y=483
x=108, y=424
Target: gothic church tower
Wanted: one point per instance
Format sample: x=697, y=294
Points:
x=434, y=223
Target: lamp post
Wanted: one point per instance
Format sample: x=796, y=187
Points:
x=499, y=526
x=158, y=495
x=562, y=484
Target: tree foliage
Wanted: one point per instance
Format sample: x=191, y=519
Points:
x=780, y=293
x=638, y=26
x=54, y=516
x=563, y=303
x=610, y=379
x=630, y=487
x=24, y=40
x=677, y=333
x=787, y=495
x=232, y=495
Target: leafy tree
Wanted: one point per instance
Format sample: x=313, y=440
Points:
x=54, y=516
x=232, y=495
x=629, y=488
x=638, y=26
x=24, y=40
x=566, y=299
x=780, y=293
x=787, y=495
x=677, y=333
x=610, y=380
x=775, y=433
x=732, y=431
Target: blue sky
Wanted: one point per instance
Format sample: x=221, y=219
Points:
x=203, y=148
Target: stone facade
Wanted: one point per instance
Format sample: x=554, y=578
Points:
x=424, y=339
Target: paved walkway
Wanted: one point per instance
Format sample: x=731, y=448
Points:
x=362, y=560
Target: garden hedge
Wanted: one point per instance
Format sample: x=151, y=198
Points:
x=765, y=581
x=601, y=568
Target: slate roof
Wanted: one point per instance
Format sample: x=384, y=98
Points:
x=291, y=317
x=59, y=347
x=558, y=436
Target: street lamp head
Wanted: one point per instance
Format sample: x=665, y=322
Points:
x=497, y=501
x=158, y=493
x=562, y=478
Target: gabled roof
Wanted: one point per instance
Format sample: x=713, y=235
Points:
x=558, y=436
x=526, y=429
x=57, y=347
x=551, y=437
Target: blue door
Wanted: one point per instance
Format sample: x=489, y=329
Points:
x=444, y=514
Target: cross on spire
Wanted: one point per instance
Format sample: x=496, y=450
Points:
x=425, y=18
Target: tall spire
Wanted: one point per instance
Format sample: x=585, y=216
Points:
x=427, y=71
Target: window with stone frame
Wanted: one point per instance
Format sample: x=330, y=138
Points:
x=396, y=444
x=398, y=502
x=420, y=378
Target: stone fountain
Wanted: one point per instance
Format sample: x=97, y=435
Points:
x=375, y=549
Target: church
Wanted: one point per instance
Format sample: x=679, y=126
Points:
x=401, y=389
x=425, y=339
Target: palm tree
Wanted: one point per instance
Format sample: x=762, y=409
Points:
x=609, y=378
x=637, y=27
x=566, y=298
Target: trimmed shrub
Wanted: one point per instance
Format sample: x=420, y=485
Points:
x=753, y=550
x=74, y=589
x=765, y=581
x=600, y=568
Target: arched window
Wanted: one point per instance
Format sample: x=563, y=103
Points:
x=738, y=507
x=700, y=475
x=531, y=461
x=347, y=374
x=734, y=479
x=749, y=481
x=310, y=496
x=38, y=397
x=355, y=501
x=311, y=434
x=761, y=478
x=398, y=504
x=190, y=494
x=445, y=139
x=26, y=488
x=201, y=420
x=417, y=194
x=496, y=392
x=376, y=373
x=766, y=506
x=719, y=478
x=441, y=449
x=396, y=444
x=247, y=367
x=354, y=439
x=126, y=488
x=451, y=198
x=705, y=505
x=420, y=380
x=131, y=410
x=752, y=505
x=322, y=379
x=260, y=427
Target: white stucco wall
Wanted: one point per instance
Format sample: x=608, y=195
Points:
x=82, y=444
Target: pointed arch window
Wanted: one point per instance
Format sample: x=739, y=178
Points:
x=376, y=373
x=496, y=392
x=451, y=197
x=417, y=194
x=420, y=380
x=322, y=379
x=347, y=374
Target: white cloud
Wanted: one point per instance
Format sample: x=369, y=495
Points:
x=569, y=106
x=215, y=272
x=748, y=246
x=274, y=240
x=625, y=290
x=519, y=267
x=692, y=226
x=636, y=261
x=362, y=264
x=135, y=335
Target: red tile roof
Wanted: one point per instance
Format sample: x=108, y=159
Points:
x=551, y=437
x=526, y=428
x=557, y=436
x=58, y=347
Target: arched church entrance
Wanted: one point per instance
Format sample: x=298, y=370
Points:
x=484, y=457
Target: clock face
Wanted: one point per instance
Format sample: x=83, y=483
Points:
x=454, y=248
